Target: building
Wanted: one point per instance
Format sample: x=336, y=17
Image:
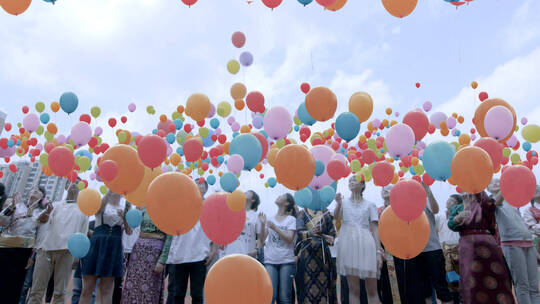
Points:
x=3, y=117
x=28, y=176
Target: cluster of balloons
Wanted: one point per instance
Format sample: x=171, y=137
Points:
x=245, y=59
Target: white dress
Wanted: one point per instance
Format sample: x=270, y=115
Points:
x=356, y=249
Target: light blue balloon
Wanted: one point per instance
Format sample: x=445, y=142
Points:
x=228, y=182
x=50, y=1
x=437, y=160
x=305, y=2
x=214, y=123
x=411, y=170
x=207, y=141
x=347, y=126
x=263, y=132
x=180, y=151
x=84, y=153
x=272, y=182
x=78, y=245
x=211, y=180
x=303, y=197
x=317, y=204
x=134, y=218
x=458, y=132
x=69, y=102
x=220, y=159
x=171, y=138
x=257, y=121
x=249, y=147
x=10, y=143
x=296, y=128
x=327, y=194
x=178, y=124
x=44, y=118
x=526, y=146
x=319, y=168
x=304, y=116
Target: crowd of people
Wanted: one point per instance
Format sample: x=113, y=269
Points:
x=482, y=250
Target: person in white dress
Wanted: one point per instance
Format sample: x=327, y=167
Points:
x=359, y=248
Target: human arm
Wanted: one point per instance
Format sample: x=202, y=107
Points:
x=531, y=222
x=432, y=201
x=127, y=227
x=264, y=232
x=455, y=218
x=211, y=254
x=162, y=260
x=337, y=211
x=287, y=235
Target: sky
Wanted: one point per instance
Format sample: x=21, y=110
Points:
x=157, y=52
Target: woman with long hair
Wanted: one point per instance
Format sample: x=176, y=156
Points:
x=279, y=233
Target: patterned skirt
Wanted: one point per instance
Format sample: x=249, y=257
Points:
x=141, y=284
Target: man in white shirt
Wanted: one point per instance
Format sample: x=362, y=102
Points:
x=53, y=254
x=189, y=256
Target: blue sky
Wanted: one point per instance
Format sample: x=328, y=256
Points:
x=157, y=52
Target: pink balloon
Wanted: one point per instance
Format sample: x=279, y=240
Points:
x=397, y=114
x=451, y=123
x=512, y=141
x=272, y=3
x=152, y=151
x=61, y=139
x=376, y=123
x=220, y=224
x=235, y=127
x=238, y=39
x=212, y=111
x=7, y=152
x=421, y=145
x=98, y=131
x=277, y=122
x=230, y=120
x=164, y=169
x=31, y=122
x=324, y=154
x=166, y=126
x=524, y=120
x=132, y=107
x=408, y=199
x=499, y=122
x=340, y=157
x=81, y=133
x=400, y=140
x=108, y=170
x=235, y=164
x=436, y=119
x=427, y=106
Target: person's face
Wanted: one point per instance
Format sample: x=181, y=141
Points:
x=114, y=198
x=356, y=186
x=202, y=188
x=72, y=189
x=35, y=196
x=451, y=202
x=281, y=201
x=385, y=194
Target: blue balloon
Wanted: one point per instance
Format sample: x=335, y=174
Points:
x=272, y=182
x=228, y=182
x=78, y=245
x=304, y=116
x=303, y=197
x=249, y=147
x=458, y=132
x=257, y=121
x=44, y=118
x=178, y=123
x=296, y=128
x=211, y=180
x=317, y=203
x=214, y=123
x=347, y=126
x=220, y=159
x=319, y=168
x=305, y=2
x=327, y=194
x=246, y=59
x=170, y=138
x=207, y=141
x=84, y=153
x=134, y=218
x=10, y=143
x=263, y=132
x=437, y=160
x=50, y=1
x=180, y=151
x=526, y=146
x=411, y=170
x=69, y=102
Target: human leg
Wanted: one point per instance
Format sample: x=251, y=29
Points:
x=437, y=275
x=354, y=289
x=89, y=285
x=515, y=258
x=42, y=273
x=27, y=284
x=106, y=287
x=197, y=275
x=532, y=273
x=371, y=288
x=273, y=272
x=286, y=276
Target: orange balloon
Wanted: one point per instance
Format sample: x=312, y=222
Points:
x=238, y=91
x=174, y=203
x=480, y=115
x=198, y=106
x=245, y=129
x=51, y=128
x=15, y=7
x=238, y=279
x=239, y=104
x=294, y=167
x=138, y=196
x=130, y=169
x=336, y=5
x=236, y=200
x=272, y=155
x=472, y=169
x=400, y=8
x=180, y=109
x=225, y=147
x=404, y=240
x=175, y=159
x=321, y=103
x=89, y=201
x=55, y=106
x=464, y=139
x=361, y=104
x=46, y=170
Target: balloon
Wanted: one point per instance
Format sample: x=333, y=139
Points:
x=219, y=223
x=382, y=173
x=152, y=151
x=238, y=279
x=319, y=168
x=492, y=147
x=418, y=122
x=193, y=149
x=249, y=147
x=400, y=140
x=189, y=2
x=228, y=182
x=336, y=169
x=305, y=87
x=483, y=96
x=361, y=104
x=233, y=66
x=474, y=85
x=246, y=59
x=238, y=91
x=518, y=185
x=347, y=126
x=427, y=106
x=130, y=169
x=44, y=118
x=294, y=167
x=255, y=102
x=498, y=122
x=235, y=164
x=272, y=3
x=321, y=103
x=61, y=161
x=81, y=133
x=337, y=5
x=303, y=197
x=238, y=39
x=408, y=199
x=437, y=160
x=174, y=203
x=323, y=154
x=236, y=201
x=69, y=102
x=404, y=240
x=304, y=116
x=198, y=106
x=327, y=194
x=531, y=133
x=277, y=122
x=481, y=112
x=138, y=196
x=78, y=245
x=15, y=7
x=108, y=170
x=134, y=218
x=437, y=118
x=224, y=109
x=31, y=122
x=472, y=169
x=132, y=107
x=400, y=9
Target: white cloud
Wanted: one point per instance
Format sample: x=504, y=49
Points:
x=524, y=26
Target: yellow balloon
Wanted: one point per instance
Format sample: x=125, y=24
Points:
x=233, y=66
x=89, y=201
x=236, y=200
x=224, y=109
x=531, y=133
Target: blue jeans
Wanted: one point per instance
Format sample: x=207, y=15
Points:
x=282, y=276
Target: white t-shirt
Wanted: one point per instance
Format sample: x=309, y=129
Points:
x=276, y=250
x=445, y=234
x=191, y=247
x=65, y=220
x=128, y=241
x=247, y=241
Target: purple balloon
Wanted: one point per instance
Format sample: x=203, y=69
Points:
x=499, y=122
x=277, y=122
x=340, y=157
x=436, y=119
x=132, y=107
x=212, y=111
x=230, y=120
x=235, y=126
x=400, y=140
x=169, y=150
x=81, y=133
x=164, y=170
x=7, y=152
x=61, y=139
x=473, y=137
x=427, y=106
x=524, y=120
x=39, y=147
x=257, y=121
x=92, y=176
x=454, y=132
x=217, y=131
x=451, y=123
x=420, y=145
x=512, y=141
x=235, y=164
x=246, y=59
x=31, y=122
x=98, y=131
x=397, y=114
x=376, y=123
x=324, y=154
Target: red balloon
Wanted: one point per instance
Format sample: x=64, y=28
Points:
x=123, y=119
x=189, y=2
x=264, y=144
x=193, y=149
x=518, y=185
x=255, y=102
x=238, y=39
x=382, y=173
x=152, y=151
x=61, y=161
x=427, y=179
x=1, y=174
x=112, y=122
x=86, y=118
x=13, y=168
x=326, y=3
x=7, y=126
x=108, y=170
x=305, y=87
x=336, y=169
x=25, y=109
x=222, y=138
x=493, y=148
x=419, y=122
x=408, y=199
x=272, y=3
x=222, y=225
x=368, y=156
x=418, y=84
x=483, y=96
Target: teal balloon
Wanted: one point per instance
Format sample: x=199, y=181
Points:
x=69, y=102
x=171, y=138
x=214, y=123
x=211, y=180
x=207, y=141
x=317, y=203
x=228, y=182
x=347, y=126
x=303, y=197
x=78, y=245
x=220, y=159
x=178, y=123
x=134, y=218
x=249, y=147
x=44, y=118
x=437, y=160
x=304, y=116
x=327, y=194
x=319, y=168
x=272, y=182
x=526, y=146
x=84, y=153
x=305, y=2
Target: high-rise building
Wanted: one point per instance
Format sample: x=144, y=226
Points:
x=28, y=176
x=3, y=117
